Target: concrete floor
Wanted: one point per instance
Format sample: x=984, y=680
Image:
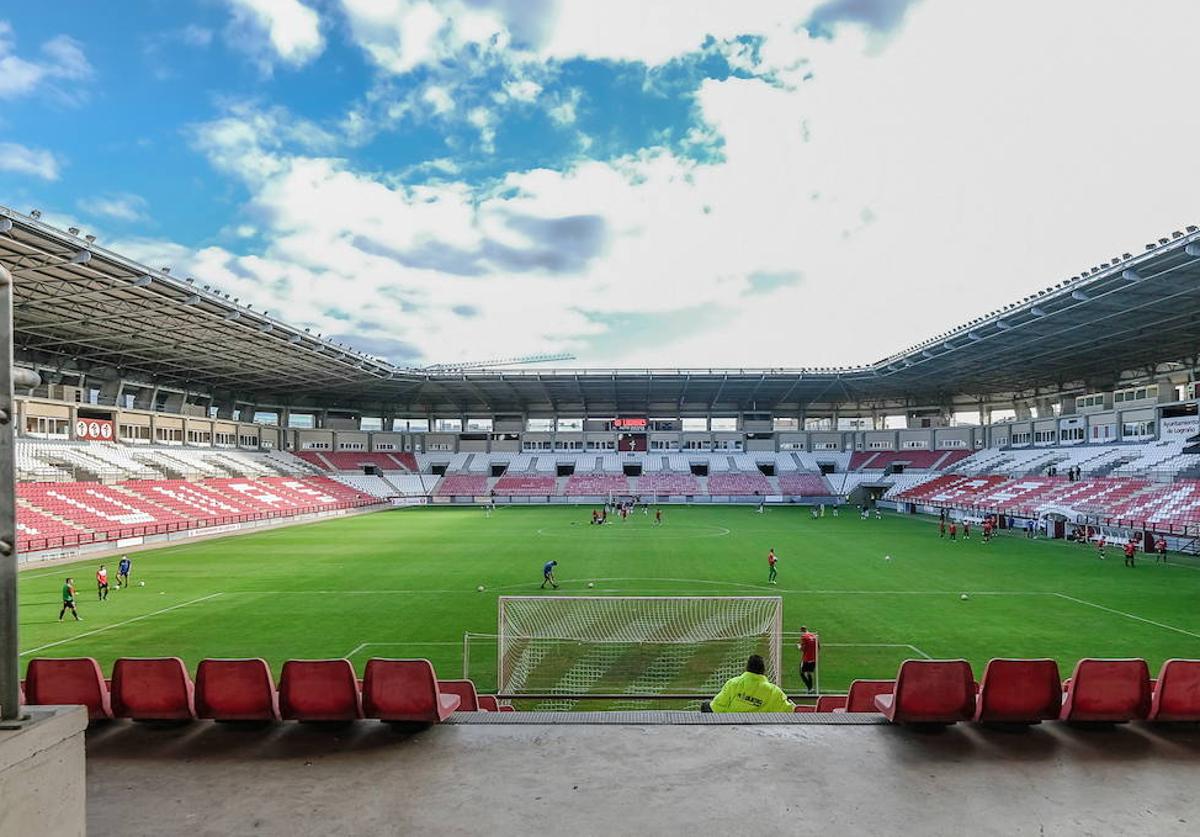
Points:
x=367, y=779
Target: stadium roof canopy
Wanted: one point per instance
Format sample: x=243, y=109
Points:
x=80, y=308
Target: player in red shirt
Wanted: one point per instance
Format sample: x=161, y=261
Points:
x=1160, y=547
x=953, y=531
x=808, y=656
x=771, y=560
x=1130, y=550
x=102, y=583
x=1100, y=547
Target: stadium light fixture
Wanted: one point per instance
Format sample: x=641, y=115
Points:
x=1037, y=312
x=89, y=238
x=73, y=230
x=35, y=214
x=1164, y=241
x=1003, y=326
x=166, y=270
x=81, y=257
x=1193, y=228
x=191, y=300
x=1192, y=249
x=233, y=315
x=142, y=281
x=1080, y=295
x=974, y=336
x=295, y=338
x=265, y=327
x=1130, y=275
x=5, y=225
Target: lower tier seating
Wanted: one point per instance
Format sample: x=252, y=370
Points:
x=60, y=514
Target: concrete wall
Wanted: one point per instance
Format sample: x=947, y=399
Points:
x=42, y=775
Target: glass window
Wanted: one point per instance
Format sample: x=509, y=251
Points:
x=695, y=425
x=480, y=424
x=539, y=425
x=447, y=425
x=571, y=425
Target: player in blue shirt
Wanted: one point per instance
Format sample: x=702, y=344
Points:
x=123, y=571
x=548, y=574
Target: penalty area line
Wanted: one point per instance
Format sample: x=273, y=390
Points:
x=119, y=624
x=1132, y=616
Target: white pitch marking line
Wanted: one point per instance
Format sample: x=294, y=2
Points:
x=119, y=624
x=1128, y=615
x=909, y=646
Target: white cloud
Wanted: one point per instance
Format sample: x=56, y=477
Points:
x=904, y=196
x=523, y=90
x=35, y=162
x=62, y=60
x=287, y=30
x=119, y=207
x=439, y=98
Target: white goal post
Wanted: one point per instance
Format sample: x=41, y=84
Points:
x=633, y=645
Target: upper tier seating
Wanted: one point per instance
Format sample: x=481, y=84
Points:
x=368, y=484
x=152, y=689
x=463, y=485
x=1019, y=692
x=597, y=485
x=236, y=690
x=74, y=680
x=667, y=483
x=405, y=690
x=319, y=690
x=1177, y=692
x=917, y=460
x=862, y=694
x=930, y=692
x=1107, y=691
x=796, y=484
x=734, y=483
x=525, y=484
x=345, y=460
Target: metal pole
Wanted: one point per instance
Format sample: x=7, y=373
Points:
x=10, y=677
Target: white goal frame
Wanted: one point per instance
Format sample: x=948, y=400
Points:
x=771, y=627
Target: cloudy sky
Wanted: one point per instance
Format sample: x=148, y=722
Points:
x=636, y=182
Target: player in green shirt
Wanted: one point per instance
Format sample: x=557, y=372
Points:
x=750, y=692
x=68, y=599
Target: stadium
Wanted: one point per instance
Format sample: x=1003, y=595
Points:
x=251, y=576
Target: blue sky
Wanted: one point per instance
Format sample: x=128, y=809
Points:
x=677, y=183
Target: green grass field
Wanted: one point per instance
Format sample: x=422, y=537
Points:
x=403, y=583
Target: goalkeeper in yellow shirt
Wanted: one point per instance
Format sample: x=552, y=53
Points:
x=750, y=691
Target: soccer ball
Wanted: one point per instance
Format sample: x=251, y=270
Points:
x=590, y=585
x=118, y=586
x=887, y=557
x=141, y=584
x=963, y=597
x=480, y=588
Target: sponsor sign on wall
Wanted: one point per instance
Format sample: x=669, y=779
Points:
x=94, y=430
x=1180, y=426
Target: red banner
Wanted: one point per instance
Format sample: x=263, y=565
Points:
x=94, y=430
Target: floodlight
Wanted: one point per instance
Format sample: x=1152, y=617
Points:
x=1130, y=275
x=1193, y=228
x=1192, y=249
x=35, y=214
x=165, y=269
x=5, y=225
x=89, y=238
x=192, y=300
x=1164, y=241
x=1080, y=295
x=81, y=257
x=141, y=281
x=73, y=230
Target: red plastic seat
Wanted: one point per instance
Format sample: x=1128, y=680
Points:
x=801, y=707
x=405, y=690
x=930, y=692
x=1107, y=691
x=236, y=690
x=465, y=689
x=319, y=690
x=505, y=708
x=1177, y=695
x=73, y=681
x=862, y=695
x=831, y=703
x=152, y=689
x=488, y=703
x=1019, y=692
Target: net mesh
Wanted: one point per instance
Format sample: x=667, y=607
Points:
x=632, y=645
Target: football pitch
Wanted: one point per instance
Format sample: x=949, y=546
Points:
x=404, y=584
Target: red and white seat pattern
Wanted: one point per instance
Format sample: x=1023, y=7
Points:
x=462, y=485
x=738, y=483
x=526, y=485
x=804, y=485
x=918, y=460
x=668, y=483
x=597, y=485
x=344, y=460
x=52, y=515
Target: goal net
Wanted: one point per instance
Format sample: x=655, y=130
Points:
x=631, y=645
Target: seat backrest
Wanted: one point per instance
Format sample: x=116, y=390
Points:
x=934, y=691
x=1019, y=691
x=318, y=690
x=152, y=689
x=1177, y=697
x=236, y=690
x=77, y=680
x=465, y=689
x=1108, y=690
x=488, y=703
x=828, y=703
x=400, y=690
x=862, y=694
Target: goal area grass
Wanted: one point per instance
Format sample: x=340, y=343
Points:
x=405, y=584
